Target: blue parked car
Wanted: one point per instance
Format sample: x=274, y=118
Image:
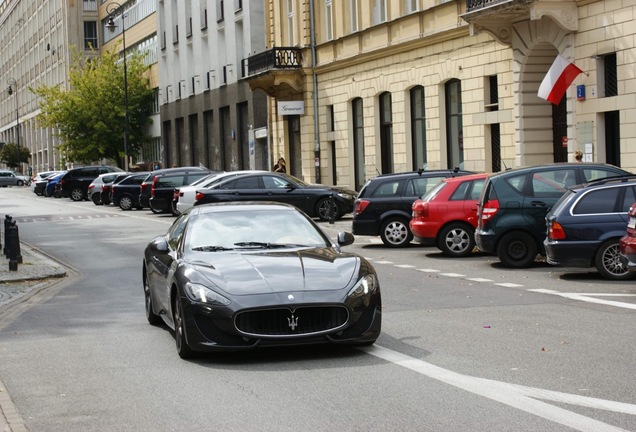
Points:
x=50, y=186
x=585, y=226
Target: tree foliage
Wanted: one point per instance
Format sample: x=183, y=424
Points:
x=9, y=155
x=90, y=116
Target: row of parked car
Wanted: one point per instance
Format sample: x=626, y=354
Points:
x=574, y=214
x=173, y=190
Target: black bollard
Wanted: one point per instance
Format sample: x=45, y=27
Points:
x=12, y=244
x=7, y=221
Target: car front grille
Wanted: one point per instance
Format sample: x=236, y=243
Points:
x=287, y=322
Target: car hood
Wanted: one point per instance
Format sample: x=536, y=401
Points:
x=243, y=273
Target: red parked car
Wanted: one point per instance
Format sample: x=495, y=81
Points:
x=446, y=216
x=628, y=241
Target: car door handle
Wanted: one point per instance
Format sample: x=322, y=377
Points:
x=537, y=204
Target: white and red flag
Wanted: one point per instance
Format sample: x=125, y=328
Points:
x=558, y=79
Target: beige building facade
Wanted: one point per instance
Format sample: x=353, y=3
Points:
x=390, y=86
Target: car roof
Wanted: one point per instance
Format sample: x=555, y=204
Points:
x=420, y=173
x=556, y=165
x=476, y=176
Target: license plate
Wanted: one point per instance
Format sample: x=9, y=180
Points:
x=632, y=223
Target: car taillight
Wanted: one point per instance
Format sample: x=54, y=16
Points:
x=490, y=209
x=91, y=186
x=359, y=206
x=555, y=231
x=420, y=209
x=154, y=184
x=175, y=194
x=144, y=186
x=199, y=196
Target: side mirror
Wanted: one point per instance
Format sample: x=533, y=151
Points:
x=345, y=238
x=159, y=245
x=290, y=186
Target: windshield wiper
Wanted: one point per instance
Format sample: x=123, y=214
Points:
x=261, y=245
x=211, y=248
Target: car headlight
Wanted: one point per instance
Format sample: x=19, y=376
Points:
x=345, y=196
x=366, y=286
x=203, y=294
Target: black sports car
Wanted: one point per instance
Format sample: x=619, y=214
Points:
x=242, y=275
x=316, y=200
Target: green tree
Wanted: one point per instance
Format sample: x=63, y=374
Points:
x=90, y=116
x=9, y=155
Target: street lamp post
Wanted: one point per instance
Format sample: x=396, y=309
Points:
x=10, y=84
x=115, y=9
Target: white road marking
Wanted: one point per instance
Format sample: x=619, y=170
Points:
x=516, y=396
x=404, y=266
x=589, y=298
x=509, y=285
x=429, y=270
x=479, y=280
x=453, y=275
x=384, y=262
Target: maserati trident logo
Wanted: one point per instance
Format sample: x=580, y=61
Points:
x=293, y=322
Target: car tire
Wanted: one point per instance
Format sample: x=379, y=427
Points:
x=457, y=240
x=151, y=316
x=20, y=183
x=173, y=210
x=517, y=249
x=97, y=200
x=395, y=233
x=323, y=208
x=608, y=264
x=183, y=349
x=125, y=202
x=77, y=194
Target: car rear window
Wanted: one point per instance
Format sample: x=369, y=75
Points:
x=421, y=185
x=597, y=201
x=172, y=181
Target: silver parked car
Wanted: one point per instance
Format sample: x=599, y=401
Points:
x=10, y=178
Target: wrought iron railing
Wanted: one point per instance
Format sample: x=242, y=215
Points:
x=474, y=5
x=275, y=58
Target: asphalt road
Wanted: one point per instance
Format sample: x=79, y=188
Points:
x=466, y=345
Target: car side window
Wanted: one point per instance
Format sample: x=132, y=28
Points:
x=247, y=183
x=460, y=192
x=597, y=201
x=419, y=186
x=170, y=182
x=598, y=173
x=628, y=199
x=387, y=189
x=272, y=182
x=517, y=182
x=549, y=184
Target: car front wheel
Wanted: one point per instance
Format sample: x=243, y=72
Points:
x=517, y=249
x=396, y=233
x=151, y=316
x=183, y=349
x=457, y=240
x=608, y=263
x=324, y=209
x=77, y=194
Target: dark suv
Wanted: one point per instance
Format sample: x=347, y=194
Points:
x=163, y=186
x=125, y=193
x=513, y=206
x=585, y=226
x=75, y=182
x=383, y=206
x=146, y=185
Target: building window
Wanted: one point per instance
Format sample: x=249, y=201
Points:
x=379, y=11
x=386, y=133
x=90, y=35
x=492, y=95
x=612, y=137
x=418, y=128
x=353, y=9
x=219, y=11
x=328, y=20
x=454, y=134
x=495, y=147
x=610, y=75
x=290, y=22
x=410, y=6
x=357, y=115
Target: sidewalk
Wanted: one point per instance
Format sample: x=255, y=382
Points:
x=34, y=270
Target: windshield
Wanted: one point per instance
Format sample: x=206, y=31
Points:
x=261, y=229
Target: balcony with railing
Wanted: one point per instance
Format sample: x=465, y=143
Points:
x=274, y=69
x=497, y=17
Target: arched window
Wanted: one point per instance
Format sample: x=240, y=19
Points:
x=418, y=127
x=454, y=134
x=386, y=133
x=358, y=142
